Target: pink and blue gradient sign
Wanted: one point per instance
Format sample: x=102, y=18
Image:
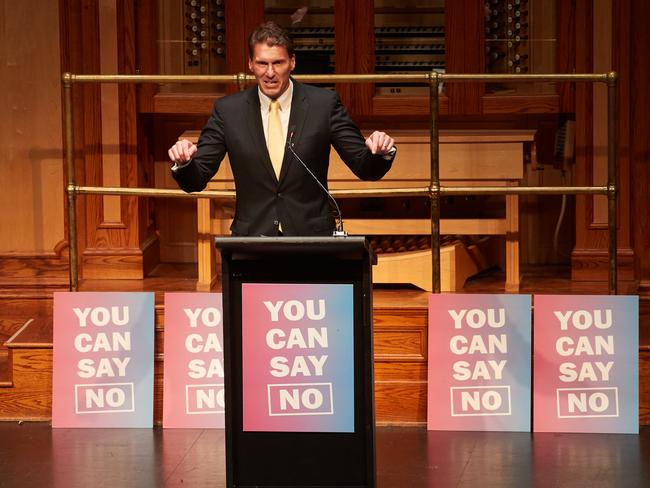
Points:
x=298, y=357
x=194, y=375
x=586, y=364
x=479, y=362
x=103, y=360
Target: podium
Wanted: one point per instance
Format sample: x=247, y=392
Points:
x=298, y=361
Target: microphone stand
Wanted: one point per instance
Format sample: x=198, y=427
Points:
x=339, y=231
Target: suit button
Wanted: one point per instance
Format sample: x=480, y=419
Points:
x=279, y=195
x=276, y=222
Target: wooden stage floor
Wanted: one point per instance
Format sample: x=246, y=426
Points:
x=35, y=455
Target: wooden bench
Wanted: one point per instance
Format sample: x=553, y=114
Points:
x=467, y=158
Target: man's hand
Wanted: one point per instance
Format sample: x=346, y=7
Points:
x=181, y=152
x=379, y=143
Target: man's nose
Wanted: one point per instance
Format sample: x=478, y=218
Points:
x=270, y=71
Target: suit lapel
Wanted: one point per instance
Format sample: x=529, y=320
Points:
x=256, y=130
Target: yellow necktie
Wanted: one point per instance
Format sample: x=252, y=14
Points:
x=276, y=141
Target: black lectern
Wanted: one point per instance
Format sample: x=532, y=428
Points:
x=309, y=420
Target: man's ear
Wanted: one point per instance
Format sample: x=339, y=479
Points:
x=250, y=65
x=292, y=62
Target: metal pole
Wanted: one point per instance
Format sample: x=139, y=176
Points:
x=434, y=184
x=72, y=199
x=241, y=81
x=611, y=179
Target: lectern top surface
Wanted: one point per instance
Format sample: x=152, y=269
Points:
x=349, y=246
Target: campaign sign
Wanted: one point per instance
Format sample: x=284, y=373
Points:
x=586, y=364
x=103, y=360
x=298, y=357
x=479, y=362
x=194, y=378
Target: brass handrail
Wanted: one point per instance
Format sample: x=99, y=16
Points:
x=433, y=191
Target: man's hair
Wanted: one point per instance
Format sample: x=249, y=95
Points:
x=271, y=34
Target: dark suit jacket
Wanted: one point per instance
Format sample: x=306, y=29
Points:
x=317, y=119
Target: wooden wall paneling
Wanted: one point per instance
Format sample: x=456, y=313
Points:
x=110, y=110
x=639, y=130
x=236, y=50
x=464, y=53
x=106, y=236
x=175, y=218
x=33, y=244
x=242, y=17
x=602, y=62
x=110, y=249
x=71, y=61
x=589, y=258
x=81, y=46
x=363, y=51
x=135, y=159
x=253, y=16
x=146, y=52
x=400, y=352
x=621, y=63
x=566, y=54
x=344, y=47
x=584, y=53
x=504, y=104
x=148, y=235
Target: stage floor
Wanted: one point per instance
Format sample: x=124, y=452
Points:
x=35, y=455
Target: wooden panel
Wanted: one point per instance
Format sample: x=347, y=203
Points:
x=146, y=51
x=638, y=96
x=185, y=103
x=158, y=391
x=464, y=53
x=566, y=55
x=401, y=402
x=50, y=270
x=400, y=386
x=464, y=155
x=411, y=105
x=588, y=257
x=593, y=265
x=115, y=263
x=109, y=109
x=400, y=371
x=463, y=160
x=253, y=17
x=133, y=236
x=343, y=42
x=363, y=53
x=602, y=63
x=423, y=226
x=31, y=396
x=33, y=246
x=391, y=315
x=501, y=104
x=400, y=343
x=30, y=129
x=644, y=387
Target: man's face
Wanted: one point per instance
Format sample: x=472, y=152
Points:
x=272, y=67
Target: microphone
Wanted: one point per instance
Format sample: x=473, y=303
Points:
x=339, y=232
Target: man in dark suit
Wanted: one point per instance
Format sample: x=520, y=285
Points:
x=275, y=193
